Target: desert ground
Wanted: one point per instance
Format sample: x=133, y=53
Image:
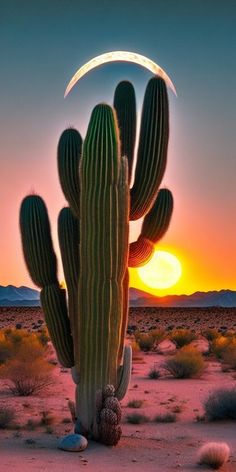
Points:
x=151, y=446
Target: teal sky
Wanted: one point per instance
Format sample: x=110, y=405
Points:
x=43, y=43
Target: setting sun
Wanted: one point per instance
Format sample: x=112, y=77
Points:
x=162, y=271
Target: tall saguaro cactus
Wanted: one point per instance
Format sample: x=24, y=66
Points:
x=89, y=333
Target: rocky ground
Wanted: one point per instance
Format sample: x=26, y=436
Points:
x=141, y=318
x=151, y=446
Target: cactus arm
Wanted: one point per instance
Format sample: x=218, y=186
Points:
x=68, y=234
x=36, y=239
x=154, y=226
x=152, y=149
x=156, y=222
x=125, y=106
x=42, y=265
x=140, y=252
x=124, y=373
x=68, y=157
x=53, y=300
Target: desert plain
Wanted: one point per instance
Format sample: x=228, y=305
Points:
x=149, y=446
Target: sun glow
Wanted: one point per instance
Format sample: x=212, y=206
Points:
x=162, y=271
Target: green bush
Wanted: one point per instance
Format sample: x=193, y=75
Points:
x=182, y=337
x=229, y=357
x=222, y=344
x=145, y=341
x=210, y=334
x=158, y=334
x=221, y=405
x=187, y=363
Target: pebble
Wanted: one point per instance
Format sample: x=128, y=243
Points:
x=73, y=443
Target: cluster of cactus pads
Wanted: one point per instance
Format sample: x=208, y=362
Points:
x=88, y=325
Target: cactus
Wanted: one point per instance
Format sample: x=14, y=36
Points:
x=89, y=334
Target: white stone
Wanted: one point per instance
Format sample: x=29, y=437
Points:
x=73, y=443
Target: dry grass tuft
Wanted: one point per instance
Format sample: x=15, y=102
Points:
x=165, y=418
x=182, y=337
x=213, y=454
x=187, y=363
x=135, y=403
x=137, y=418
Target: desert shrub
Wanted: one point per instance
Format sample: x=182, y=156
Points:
x=213, y=454
x=182, y=337
x=31, y=425
x=177, y=409
x=187, y=363
x=30, y=349
x=154, y=373
x=145, y=341
x=135, y=403
x=43, y=337
x=210, y=333
x=165, y=418
x=137, y=418
x=47, y=419
x=16, y=336
x=158, y=335
x=5, y=349
x=200, y=418
x=136, y=352
x=27, y=377
x=229, y=357
x=221, y=405
x=20, y=344
x=221, y=344
x=7, y=415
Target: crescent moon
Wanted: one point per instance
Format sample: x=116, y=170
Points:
x=125, y=56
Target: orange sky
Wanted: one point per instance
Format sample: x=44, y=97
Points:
x=193, y=42
x=197, y=234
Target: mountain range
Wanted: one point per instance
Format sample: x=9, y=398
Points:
x=18, y=296
x=222, y=298
x=25, y=296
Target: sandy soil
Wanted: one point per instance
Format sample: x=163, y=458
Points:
x=159, y=447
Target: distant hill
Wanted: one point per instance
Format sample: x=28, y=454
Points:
x=25, y=296
x=222, y=298
x=18, y=296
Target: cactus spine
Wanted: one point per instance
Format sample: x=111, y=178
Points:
x=93, y=235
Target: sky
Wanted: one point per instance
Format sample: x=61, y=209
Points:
x=42, y=44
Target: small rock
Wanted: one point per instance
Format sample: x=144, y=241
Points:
x=73, y=443
x=166, y=347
